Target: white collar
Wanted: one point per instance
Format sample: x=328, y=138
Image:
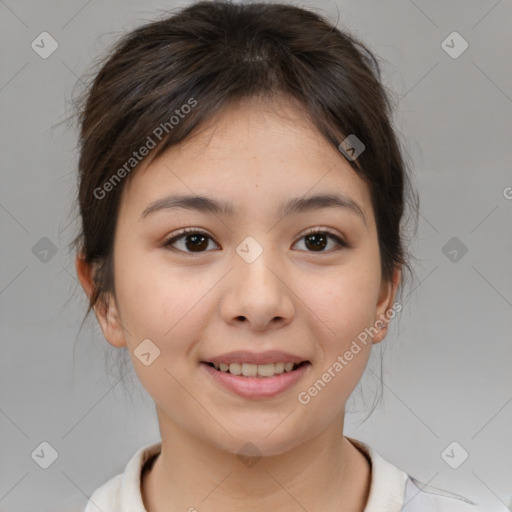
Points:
x=387, y=486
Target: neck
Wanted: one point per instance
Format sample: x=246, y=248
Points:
x=317, y=475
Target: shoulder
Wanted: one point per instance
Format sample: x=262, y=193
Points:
x=392, y=489
x=107, y=497
x=419, y=497
x=123, y=492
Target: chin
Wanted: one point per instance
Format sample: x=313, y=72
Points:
x=258, y=443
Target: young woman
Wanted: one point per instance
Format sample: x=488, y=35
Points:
x=241, y=195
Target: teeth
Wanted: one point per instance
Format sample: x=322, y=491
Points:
x=279, y=368
x=234, y=368
x=265, y=370
x=253, y=370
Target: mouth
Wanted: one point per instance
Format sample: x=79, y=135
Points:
x=261, y=371
x=256, y=381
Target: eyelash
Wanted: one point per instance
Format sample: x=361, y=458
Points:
x=193, y=231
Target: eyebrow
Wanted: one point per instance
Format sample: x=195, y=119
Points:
x=297, y=205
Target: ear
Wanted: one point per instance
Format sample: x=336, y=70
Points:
x=385, y=303
x=105, y=310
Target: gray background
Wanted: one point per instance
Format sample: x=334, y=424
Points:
x=447, y=362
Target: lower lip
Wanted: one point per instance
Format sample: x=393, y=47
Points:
x=257, y=387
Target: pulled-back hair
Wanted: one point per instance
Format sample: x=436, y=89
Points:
x=212, y=54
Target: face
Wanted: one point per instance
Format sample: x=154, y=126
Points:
x=253, y=280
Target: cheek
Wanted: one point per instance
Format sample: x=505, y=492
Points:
x=160, y=302
x=345, y=301
x=344, y=308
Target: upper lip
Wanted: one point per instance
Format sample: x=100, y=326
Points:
x=244, y=356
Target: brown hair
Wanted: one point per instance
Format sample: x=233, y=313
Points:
x=216, y=53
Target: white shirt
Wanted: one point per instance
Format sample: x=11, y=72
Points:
x=391, y=490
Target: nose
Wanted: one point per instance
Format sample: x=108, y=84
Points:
x=258, y=293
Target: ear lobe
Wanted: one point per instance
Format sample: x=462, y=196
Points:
x=110, y=323
x=105, y=309
x=385, y=303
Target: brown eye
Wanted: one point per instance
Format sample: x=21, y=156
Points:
x=193, y=241
x=318, y=240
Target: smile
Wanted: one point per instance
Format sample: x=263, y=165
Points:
x=249, y=383
x=256, y=370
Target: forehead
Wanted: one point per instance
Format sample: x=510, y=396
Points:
x=264, y=149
